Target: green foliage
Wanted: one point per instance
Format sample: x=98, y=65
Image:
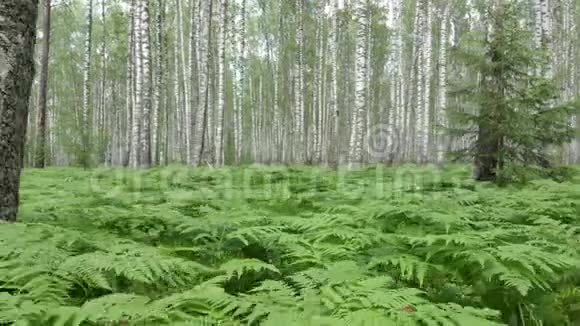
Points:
x=297, y=246
x=513, y=110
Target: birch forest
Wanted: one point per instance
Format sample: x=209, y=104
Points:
x=289, y=162
x=329, y=82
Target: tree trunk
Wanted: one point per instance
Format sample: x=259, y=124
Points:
x=106, y=128
x=85, y=127
x=145, y=127
x=129, y=86
x=17, y=37
x=361, y=91
x=417, y=125
x=486, y=161
x=299, y=150
x=205, y=52
x=221, y=106
x=159, y=84
x=40, y=160
x=137, y=90
x=441, y=115
x=427, y=64
x=184, y=73
x=240, y=76
x=334, y=83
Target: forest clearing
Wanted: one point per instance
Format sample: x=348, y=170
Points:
x=290, y=162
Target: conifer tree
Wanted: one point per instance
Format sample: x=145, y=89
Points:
x=514, y=119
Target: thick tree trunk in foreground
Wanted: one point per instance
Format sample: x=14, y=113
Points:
x=40, y=159
x=17, y=37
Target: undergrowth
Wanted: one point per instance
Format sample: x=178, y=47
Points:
x=290, y=246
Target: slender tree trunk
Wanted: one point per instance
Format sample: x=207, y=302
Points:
x=221, y=106
x=129, y=86
x=334, y=82
x=41, y=131
x=361, y=91
x=317, y=115
x=442, y=142
x=240, y=26
x=184, y=73
x=138, y=89
x=85, y=127
x=205, y=62
x=17, y=37
x=159, y=84
x=397, y=85
x=105, y=130
x=427, y=65
x=145, y=128
x=299, y=90
x=417, y=124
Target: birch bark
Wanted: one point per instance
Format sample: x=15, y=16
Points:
x=361, y=91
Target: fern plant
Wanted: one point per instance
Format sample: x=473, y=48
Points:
x=292, y=246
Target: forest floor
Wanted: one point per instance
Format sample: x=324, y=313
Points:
x=290, y=246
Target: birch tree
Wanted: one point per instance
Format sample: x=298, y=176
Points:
x=221, y=106
x=159, y=86
x=425, y=155
x=135, y=156
x=361, y=75
x=205, y=54
x=441, y=114
x=240, y=76
x=419, y=115
x=299, y=90
x=334, y=80
x=395, y=68
x=85, y=123
x=145, y=95
x=185, y=75
x=129, y=88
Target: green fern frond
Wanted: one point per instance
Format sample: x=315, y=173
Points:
x=236, y=268
x=410, y=268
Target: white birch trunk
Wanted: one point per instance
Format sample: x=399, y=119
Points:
x=159, y=71
x=442, y=143
x=129, y=85
x=240, y=27
x=427, y=65
x=420, y=95
x=86, y=138
x=361, y=91
x=334, y=81
x=179, y=141
x=184, y=73
x=199, y=132
x=134, y=159
x=299, y=90
x=317, y=102
x=145, y=132
x=222, y=40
